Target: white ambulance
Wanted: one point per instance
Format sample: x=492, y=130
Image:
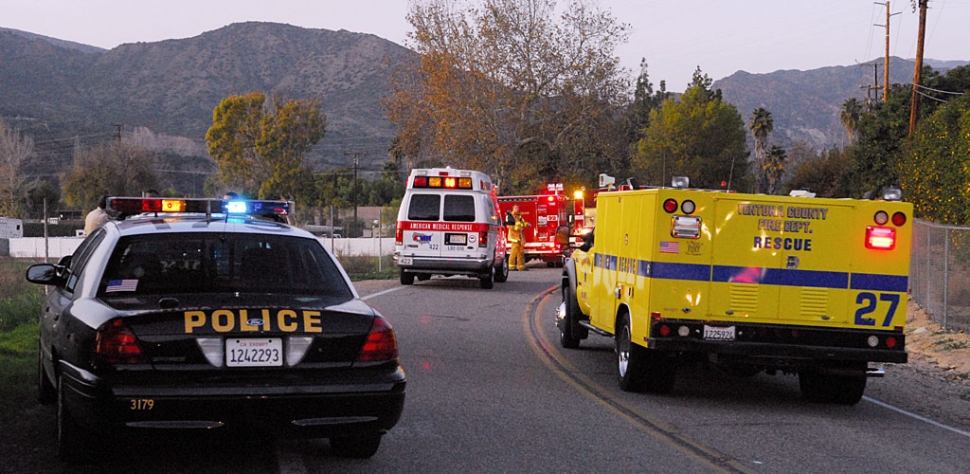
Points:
x=449, y=224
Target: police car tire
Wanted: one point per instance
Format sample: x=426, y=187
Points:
x=407, y=278
x=72, y=441
x=46, y=392
x=359, y=447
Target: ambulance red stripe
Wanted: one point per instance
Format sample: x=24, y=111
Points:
x=443, y=226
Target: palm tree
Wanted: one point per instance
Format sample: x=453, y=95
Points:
x=774, y=168
x=849, y=116
x=761, y=125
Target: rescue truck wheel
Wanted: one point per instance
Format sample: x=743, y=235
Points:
x=502, y=271
x=570, y=332
x=640, y=370
x=838, y=388
x=486, y=281
x=407, y=278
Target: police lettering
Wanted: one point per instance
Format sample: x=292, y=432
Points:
x=242, y=320
x=779, y=243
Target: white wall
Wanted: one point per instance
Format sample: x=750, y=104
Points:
x=57, y=247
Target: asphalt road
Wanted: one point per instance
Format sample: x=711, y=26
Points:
x=490, y=391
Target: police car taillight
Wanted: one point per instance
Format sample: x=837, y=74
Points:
x=381, y=344
x=116, y=344
x=880, y=238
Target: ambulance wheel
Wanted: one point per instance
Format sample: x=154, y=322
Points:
x=639, y=369
x=502, y=271
x=837, y=388
x=486, y=281
x=407, y=278
x=570, y=332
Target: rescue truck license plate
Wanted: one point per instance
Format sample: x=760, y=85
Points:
x=254, y=352
x=713, y=333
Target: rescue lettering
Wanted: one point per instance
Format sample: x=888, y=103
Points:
x=783, y=243
x=226, y=321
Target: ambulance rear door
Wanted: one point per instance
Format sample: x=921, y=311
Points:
x=419, y=236
x=463, y=219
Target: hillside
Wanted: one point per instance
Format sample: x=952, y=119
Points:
x=67, y=95
x=171, y=87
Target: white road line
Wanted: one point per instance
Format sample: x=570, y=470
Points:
x=375, y=295
x=920, y=418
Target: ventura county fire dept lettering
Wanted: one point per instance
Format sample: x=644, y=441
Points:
x=777, y=218
x=242, y=320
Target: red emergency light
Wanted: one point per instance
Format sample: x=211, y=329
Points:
x=880, y=238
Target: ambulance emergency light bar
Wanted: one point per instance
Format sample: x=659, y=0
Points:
x=236, y=207
x=443, y=181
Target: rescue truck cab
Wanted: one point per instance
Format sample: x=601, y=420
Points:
x=745, y=282
x=448, y=225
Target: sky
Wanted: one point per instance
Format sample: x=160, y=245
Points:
x=675, y=37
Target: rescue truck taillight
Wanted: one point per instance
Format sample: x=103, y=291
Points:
x=880, y=238
x=670, y=206
x=899, y=219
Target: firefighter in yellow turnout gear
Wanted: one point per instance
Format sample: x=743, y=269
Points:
x=515, y=225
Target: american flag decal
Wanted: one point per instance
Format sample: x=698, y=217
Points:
x=121, y=285
x=669, y=247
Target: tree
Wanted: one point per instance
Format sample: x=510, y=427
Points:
x=699, y=136
x=773, y=168
x=15, y=150
x=761, y=126
x=826, y=174
x=505, y=87
x=645, y=100
x=849, y=116
x=114, y=168
x=261, y=149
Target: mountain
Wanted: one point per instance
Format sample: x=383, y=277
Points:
x=805, y=105
x=67, y=95
x=55, y=90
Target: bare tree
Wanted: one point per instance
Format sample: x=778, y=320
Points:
x=15, y=149
x=507, y=87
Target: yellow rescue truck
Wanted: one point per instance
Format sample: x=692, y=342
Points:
x=746, y=282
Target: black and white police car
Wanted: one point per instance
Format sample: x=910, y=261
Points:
x=199, y=314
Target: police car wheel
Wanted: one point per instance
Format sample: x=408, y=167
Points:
x=72, y=442
x=356, y=446
x=46, y=392
x=407, y=278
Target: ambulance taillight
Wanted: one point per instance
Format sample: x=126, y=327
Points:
x=399, y=235
x=880, y=238
x=483, y=239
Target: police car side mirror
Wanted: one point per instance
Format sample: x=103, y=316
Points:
x=47, y=274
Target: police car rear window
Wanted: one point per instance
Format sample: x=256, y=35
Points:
x=214, y=263
x=459, y=208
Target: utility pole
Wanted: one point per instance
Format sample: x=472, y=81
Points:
x=355, y=154
x=917, y=74
x=885, y=73
x=119, y=127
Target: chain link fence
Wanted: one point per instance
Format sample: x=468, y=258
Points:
x=939, y=273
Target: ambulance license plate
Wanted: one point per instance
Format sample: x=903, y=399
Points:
x=456, y=239
x=266, y=352
x=405, y=261
x=713, y=333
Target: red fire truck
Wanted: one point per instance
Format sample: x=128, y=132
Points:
x=549, y=214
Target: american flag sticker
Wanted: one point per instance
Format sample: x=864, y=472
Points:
x=121, y=285
x=669, y=247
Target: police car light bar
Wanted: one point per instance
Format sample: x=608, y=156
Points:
x=138, y=205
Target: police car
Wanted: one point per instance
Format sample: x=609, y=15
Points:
x=208, y=315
